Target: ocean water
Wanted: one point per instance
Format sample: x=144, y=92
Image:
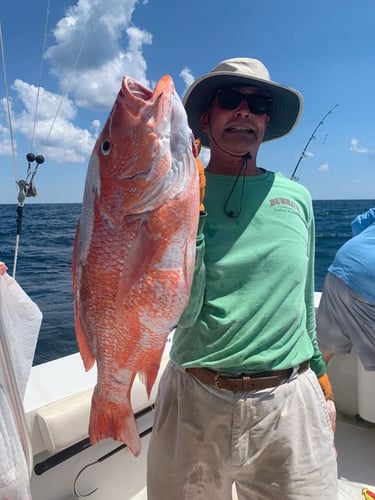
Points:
x=45, y=253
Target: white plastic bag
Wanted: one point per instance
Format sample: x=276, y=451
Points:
x=21, y=319
x=14, y=480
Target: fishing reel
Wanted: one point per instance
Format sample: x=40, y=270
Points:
x=27, y=190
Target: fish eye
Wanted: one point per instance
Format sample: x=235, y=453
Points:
x=106, y=147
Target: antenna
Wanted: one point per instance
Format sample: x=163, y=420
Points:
x=312, y=136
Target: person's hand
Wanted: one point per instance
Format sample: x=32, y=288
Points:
x=3, y=268
x=202, y=176
x=325, y=384
x=332, y=413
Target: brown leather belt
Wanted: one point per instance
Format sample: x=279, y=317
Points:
x=244, y=381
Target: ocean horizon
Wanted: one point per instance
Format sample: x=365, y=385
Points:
x=45, y=254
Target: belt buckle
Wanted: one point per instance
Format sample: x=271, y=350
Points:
x=243, y=382
x=220, y=376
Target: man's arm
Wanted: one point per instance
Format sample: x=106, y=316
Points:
x=327, y=356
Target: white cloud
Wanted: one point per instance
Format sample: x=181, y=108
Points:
x=5, y=142
x=95, y=46
x=89, y=58
x=308, y=154
x=354, y=146
x=187, y=77
x=48, y=103
x=54, y=130
x=323, y=168
x=95, y=125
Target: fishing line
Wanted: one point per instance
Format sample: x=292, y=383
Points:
x=40, y=75
x=8, y=104
x=63, y=96
x=19, y=208
x=26, y=186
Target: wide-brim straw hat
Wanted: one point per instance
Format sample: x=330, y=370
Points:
x=286, y=106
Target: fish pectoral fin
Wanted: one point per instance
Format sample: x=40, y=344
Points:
x=149, y=374
x=86, y=354
x=148, y=378
x=137, y=263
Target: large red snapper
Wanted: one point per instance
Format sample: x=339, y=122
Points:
x=134, y=249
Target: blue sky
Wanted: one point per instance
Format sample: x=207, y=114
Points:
x=323, y=48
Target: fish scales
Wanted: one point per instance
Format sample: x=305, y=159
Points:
x=134, y=249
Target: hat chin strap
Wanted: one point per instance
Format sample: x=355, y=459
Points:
x=241, y=171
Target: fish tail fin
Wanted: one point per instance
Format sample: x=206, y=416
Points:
x=115, y=421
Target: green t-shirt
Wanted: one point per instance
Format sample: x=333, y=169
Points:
x=252, y=302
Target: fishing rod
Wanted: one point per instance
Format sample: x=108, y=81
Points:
x=26, y=189
x=312, y=136
x=25, y=186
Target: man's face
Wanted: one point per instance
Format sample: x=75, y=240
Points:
x=240, y=129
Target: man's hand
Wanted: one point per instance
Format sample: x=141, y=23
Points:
x=325, y=384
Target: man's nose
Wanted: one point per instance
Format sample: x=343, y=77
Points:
x=243, y=108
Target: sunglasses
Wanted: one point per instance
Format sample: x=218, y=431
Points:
x=258, y=104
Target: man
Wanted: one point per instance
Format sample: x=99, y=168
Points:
x=237, y=402
x=346, y=314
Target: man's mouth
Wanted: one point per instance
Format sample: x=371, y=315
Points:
x=242, y=130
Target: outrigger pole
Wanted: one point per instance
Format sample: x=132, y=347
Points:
x=312, y=136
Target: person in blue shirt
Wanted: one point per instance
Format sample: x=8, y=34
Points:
x=346, y=314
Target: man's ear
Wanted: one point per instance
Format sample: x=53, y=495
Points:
x=267, y=120
x=204, y=121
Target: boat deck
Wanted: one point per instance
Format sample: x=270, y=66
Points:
x=120, y=475
x=355, y=444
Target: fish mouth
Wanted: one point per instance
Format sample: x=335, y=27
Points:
x=138, y=90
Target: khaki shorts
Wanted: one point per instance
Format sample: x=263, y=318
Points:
x=273, y=444
x=345, y=320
